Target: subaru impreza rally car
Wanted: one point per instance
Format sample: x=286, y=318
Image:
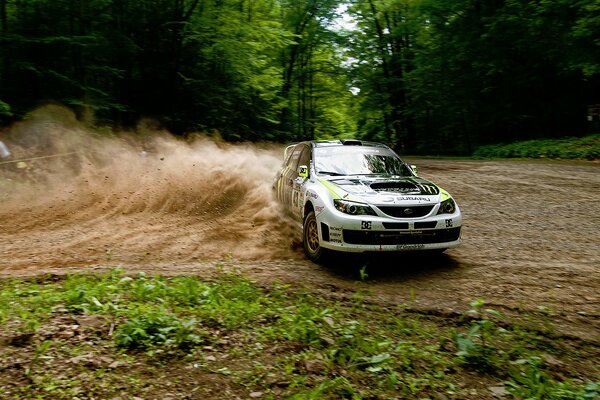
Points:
x=357, y=196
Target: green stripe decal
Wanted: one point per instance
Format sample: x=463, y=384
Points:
x=445, y=195
x=333, y=189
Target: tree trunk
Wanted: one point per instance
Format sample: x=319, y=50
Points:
x=3, y=17
x=295, y=52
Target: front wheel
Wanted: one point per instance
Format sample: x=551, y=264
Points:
x=310, y=238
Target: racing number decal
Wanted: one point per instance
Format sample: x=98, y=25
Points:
x=448, y=223
x=365, y=225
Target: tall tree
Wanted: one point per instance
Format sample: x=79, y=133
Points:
x=309, y=21
x=384, y=57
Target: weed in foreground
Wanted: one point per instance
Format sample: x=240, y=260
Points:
x=158, y=328
x=529, y=381
x=476, y=347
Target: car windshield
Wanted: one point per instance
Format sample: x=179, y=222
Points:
x=358, y=160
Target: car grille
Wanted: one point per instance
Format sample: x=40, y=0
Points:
x=395, y=225
x=425, y=225
x=406, y=212
x=411, y=237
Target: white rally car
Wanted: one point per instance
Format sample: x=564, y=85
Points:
x=358, y=196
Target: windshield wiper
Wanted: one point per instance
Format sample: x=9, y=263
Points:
x=330, y=173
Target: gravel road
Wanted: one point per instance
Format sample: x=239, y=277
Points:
x=530, y=238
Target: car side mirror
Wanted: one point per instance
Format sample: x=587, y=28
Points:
x=414, y=169
x=303, y=171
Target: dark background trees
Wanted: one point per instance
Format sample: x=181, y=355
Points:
x=428, y=76
x=451, y=75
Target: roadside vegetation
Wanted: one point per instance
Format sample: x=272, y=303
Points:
x=120, y=336
x=587, y=148
x=425, y=76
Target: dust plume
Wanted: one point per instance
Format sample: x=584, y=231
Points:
x=81, y=197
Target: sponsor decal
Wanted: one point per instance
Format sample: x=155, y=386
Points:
x=365, y=225
x=333, y=228
x=335, y=241
x=410, y=246
x=413, y=198
x=335, y=234
x=449, y=223
x=319, y=209
x=428, y=189
x=312, y=195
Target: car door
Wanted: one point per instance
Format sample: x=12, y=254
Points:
x=298, y=183
x=287, y=176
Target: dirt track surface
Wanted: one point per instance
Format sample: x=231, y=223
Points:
x=530, y=230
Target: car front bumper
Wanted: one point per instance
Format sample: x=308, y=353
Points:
x=348, y=233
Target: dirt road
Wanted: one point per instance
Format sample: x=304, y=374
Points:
x=530, y=228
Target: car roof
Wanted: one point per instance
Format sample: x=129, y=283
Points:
x=346, y=142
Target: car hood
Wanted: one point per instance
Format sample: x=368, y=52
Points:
x=381, y=191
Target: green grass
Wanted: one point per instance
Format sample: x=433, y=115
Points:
x=282, y=342
x=586, y=148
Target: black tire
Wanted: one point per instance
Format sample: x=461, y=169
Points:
x=310, y=238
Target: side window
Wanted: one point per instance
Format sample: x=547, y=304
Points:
x=304, y=158
x=288, y=155
x=293, y=161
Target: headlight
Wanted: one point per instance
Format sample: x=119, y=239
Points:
x=353, y=208
x=447, y=207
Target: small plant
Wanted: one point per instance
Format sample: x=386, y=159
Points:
x=363, y=273
x=40, y=349
x=338, y=387
x=305, y=324
x=529, y=381
x=476, y=348
x=157, y=328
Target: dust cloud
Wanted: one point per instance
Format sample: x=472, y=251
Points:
x=81, y=197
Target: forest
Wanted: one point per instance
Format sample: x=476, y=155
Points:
x=425, y=76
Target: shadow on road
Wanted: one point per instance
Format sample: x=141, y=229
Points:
x=390, y=266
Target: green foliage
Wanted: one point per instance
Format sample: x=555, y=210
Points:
x=338, y=387
x=223, y=66
x=311, y=346
x=150, y=328
x=4, y=109
x=531, y=382
x=26, y=304
x=442, y=77
x=476, y=348
x=40, y=349
x=363, y=273
x=425, y=76
x=303, y=323
x=569, y=148
x=482, y=348
x=233, y=303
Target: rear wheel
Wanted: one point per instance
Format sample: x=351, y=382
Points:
x=310, y=238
